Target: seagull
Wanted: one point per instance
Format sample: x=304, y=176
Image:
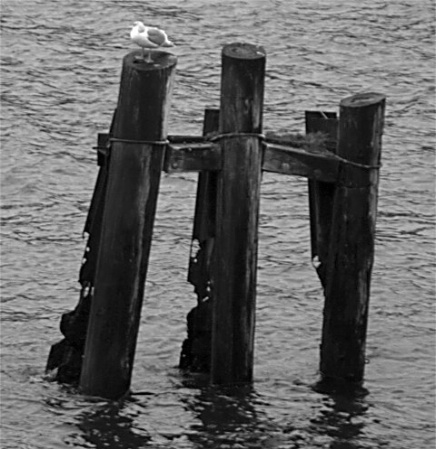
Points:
x=149, y=37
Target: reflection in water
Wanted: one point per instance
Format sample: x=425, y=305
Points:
x=342, y=418
x=227, y=418
x=60, y=82
x=111, y=426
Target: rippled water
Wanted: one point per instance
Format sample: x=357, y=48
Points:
x=60, y=68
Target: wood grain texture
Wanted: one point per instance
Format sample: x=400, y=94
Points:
x=205, y=216
x=130, y=204
x=235, y=253
x=192, y=157
x=351, y=249
x=322, y=165
x=196, y=349
x=321, y=193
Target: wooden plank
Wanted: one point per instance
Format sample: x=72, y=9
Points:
x=100, y=186
x=195, y=156
x=203, y=233
x=192, y=157
x=235, y=252
x=321, y=193
x=94, y=221
x=196, y=349
x=317, y=164
x=130, y=204
x=351, y=249
x=281, y=158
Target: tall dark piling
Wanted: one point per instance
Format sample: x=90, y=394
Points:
x=136, y=158
x=235, y=250
x=351, y=249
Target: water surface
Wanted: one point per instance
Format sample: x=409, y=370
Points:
x=60, y=68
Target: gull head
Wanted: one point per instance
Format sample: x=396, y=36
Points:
x=140, y=25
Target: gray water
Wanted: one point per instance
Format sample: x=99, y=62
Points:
x=61, y=63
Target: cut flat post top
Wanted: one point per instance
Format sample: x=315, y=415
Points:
x=135, y=166
x=235, y=254
x=351, y=249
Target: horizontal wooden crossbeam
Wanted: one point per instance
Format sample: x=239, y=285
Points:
x=185, y=154
x=282, y=158
x=197, y=153
x=192, y=157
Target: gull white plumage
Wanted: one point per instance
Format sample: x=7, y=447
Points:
x=148, y=38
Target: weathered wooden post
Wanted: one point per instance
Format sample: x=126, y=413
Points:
x=321, y=194
x=66, y=356
x=351, y=250
x=196, y=349
x=204, y=217
x=235, y=250
x=136, y=158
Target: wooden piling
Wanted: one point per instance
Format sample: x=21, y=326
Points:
x=235, y=251
x=196, y=349
x=321, y=194
x=351, y=250
x=204, y=218
x=136, y=159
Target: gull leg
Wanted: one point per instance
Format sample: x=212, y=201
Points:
x=139, y=58
x=149, y=60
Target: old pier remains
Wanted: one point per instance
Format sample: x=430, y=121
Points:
x=339, y=156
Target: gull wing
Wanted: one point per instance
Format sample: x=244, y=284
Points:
x=157, y=36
